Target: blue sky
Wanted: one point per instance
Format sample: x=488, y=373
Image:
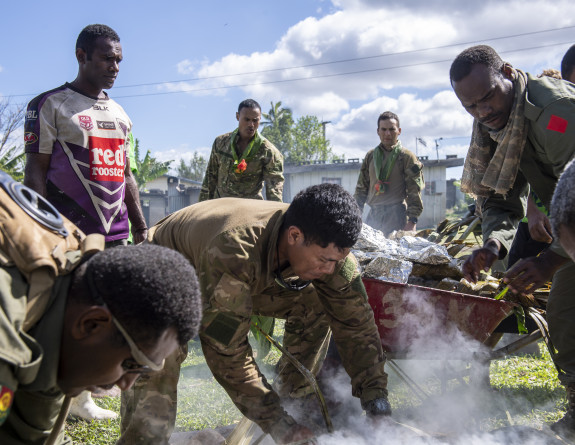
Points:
x=187, y=64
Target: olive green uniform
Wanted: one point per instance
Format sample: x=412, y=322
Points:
x=390, y=211
x=29, y=362
x=550, y=110
x=231, y=243
x=265, y=165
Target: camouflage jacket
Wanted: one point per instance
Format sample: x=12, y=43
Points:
x=29, y=361
x=405, y=183
x=232, y=244
x=265, y=166
x=550, y=110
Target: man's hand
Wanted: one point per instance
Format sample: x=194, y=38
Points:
x=540, y=227
x=298, y=433
x=409, y=227
x=531, y=273
x=139, y=235
x=481, y=260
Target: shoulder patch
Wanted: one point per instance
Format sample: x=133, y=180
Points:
x=348, y=269
x=416, y=168
x=6, y=398
x=557, y=123
x=222, y=328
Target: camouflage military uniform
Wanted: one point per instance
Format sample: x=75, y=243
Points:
x=232, y=244
x=550, y=111
x=389, y=211
x=265, y=165
x=29, y=362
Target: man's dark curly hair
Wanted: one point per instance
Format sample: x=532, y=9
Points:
x=325, y=213
x=568, y=63
x=249, y=103
x=480, y=54
x=386, y=115
x=148, y=288
x=88, y=36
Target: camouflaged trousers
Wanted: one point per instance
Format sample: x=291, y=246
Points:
x=307, y=331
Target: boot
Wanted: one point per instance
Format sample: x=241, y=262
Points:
x=566, y=426
x=84, y=407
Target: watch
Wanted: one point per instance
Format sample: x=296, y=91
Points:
x=412, y=219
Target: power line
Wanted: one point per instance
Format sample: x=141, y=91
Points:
x=326, y=63
x=322, y=76
x=355, y=59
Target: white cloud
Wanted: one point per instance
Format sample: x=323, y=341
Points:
x=360, y=59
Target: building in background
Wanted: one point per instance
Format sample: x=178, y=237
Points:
x=170, y=193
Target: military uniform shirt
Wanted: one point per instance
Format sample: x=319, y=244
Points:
x=231, y=243
x=550, y=145
x=405, y=183
x=264, y=166
x=29, y=361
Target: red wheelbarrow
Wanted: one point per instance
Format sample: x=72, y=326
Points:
x=425, y=323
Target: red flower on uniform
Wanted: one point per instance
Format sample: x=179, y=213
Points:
x=241, y=167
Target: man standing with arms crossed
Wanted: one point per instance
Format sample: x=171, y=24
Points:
x=523, y=134
x=243, y=161
x=390, y=181
x=75, y=143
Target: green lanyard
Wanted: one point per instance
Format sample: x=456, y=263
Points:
x=254, y=143
x=384, y=171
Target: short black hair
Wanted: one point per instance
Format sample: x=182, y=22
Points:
x=568, y=62
x=325, y=213
x=148, y=288
x=88, y=36
x=249, y=103
x=479, y=54
x=563, y=203
x=386, y=115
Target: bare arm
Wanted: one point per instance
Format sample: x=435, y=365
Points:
x=36, y=171
x=132, y=200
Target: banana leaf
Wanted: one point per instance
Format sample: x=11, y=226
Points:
x=267, y=325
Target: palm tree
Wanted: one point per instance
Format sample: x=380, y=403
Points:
x=278, y=127
x=148, y=168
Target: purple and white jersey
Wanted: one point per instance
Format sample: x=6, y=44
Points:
x=86, y=139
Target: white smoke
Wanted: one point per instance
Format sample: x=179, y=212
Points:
x=455, y=411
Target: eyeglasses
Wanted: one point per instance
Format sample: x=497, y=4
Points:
x=139, y=363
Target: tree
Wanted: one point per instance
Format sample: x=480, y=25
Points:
x=148, y=168
x=194, y=169
x=278, y=127
x=12, y=157
x=309, y=142
x=300, y=141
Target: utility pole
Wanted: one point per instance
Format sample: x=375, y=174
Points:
x=437, y=147
x=323, y=124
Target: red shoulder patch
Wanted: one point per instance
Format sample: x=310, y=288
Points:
x=6, y=397
x=557, y=123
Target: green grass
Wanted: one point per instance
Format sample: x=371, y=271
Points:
x=526, y=392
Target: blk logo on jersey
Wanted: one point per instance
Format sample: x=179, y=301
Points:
x=107, y=159
x=86, y=122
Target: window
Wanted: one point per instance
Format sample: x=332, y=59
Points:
x=331, y=181
x=430, y=188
